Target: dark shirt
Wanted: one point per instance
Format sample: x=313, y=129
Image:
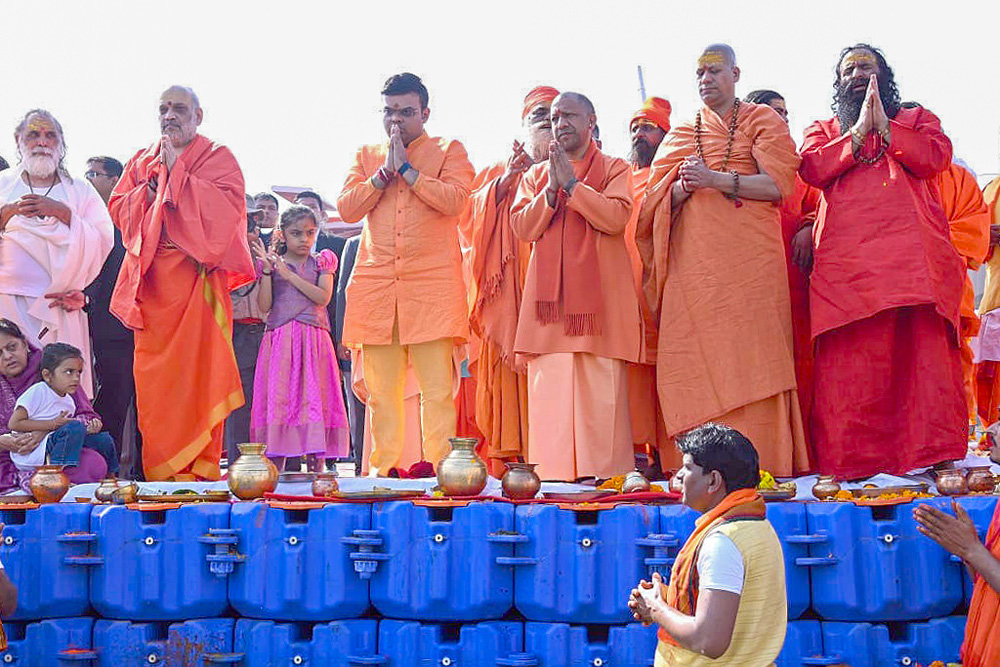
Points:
x=105, y=327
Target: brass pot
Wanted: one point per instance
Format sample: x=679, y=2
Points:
x=126, y=493
x=951, y=482
x=325, y=484
x=104, y=493
x=252, y=474
x=980, y=479
x=520, y=482
x=462, y=472
x=826, y=487
x=635, y=482
x=49, y=484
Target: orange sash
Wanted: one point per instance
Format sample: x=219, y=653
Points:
x=682, y=591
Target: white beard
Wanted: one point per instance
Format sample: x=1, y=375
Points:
x=40, y=166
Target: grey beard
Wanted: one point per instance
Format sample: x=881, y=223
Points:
x=40, y=166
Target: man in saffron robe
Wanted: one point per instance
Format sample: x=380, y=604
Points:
x=720, y=606
x=886, y=283
x=957, y=534
x=798, y=213
x=579, y=321
x=406, y=297
x=180, y=207
x=987, y=343
x=969, y=230
x=648, y=127
x=724, y=351
x=499, y=261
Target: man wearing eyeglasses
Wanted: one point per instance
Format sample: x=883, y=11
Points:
x=113, y=342
x=407, y=296
x=248, y=331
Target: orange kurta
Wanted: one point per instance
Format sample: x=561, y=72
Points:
x=969, y=227
x=798, y=211
x=987, y=375
x=184, y=251
x=981, y=646
x=497, y=266
x=409, y=262
x=717, y=273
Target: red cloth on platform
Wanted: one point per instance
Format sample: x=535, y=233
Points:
x=887, y=375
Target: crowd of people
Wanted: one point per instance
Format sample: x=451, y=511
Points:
x=716, y=287
x=565, y=306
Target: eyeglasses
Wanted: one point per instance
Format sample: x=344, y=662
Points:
x=405, y=112
x=94, y=174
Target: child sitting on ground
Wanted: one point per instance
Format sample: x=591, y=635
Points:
x=48, y=406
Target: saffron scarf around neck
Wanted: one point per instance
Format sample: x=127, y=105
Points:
x=568, y=272
x=682, y=591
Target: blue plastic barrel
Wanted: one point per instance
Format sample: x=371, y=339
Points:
x=789, y=522
x=162, y=564
x=803, y=640
x=441, y=563
x=187, y=644
x=873, y=565
x=878, y=645
x=44, y=550
x=564, y=645
x=579, y=565
x=58, y=642
x=333, y=644
x=487, y=644
x=305, y=558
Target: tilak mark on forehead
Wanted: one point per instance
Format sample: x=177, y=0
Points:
x=859, y=57
x=38, y=124
x=712, y=58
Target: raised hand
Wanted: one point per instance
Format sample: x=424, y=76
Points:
x=168, y=154
x=877, y=117
x=278, y=262
x=518, y=163
x=559, y=165
x=260, y=252
x=398, y=150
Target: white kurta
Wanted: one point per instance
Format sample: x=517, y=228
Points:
x=39, y=256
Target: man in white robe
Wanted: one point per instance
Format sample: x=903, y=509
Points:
x=55, y=233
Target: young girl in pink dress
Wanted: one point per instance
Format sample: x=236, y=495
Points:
x=298, y=409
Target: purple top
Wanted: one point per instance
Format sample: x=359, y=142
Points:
x=288, y=303
x=10, y=389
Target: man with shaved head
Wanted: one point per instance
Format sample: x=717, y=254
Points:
x=886, y=284
x=579, y=322
x=725, y=337
x=180, y=207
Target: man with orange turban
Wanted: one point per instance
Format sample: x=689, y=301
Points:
x=648, y=127
x=497, y=262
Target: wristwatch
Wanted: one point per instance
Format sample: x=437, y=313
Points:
x=403, y=168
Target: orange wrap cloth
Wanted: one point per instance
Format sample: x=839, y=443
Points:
x=981, y=647
x=885, y=291
x=681, y=592
x=987, y=375
x=969, y=228
x=799, y=211
x=644, y=405
x=183, y=253
x=536, y=96
x=656, y=110
x=716, y=273
x=497, y=263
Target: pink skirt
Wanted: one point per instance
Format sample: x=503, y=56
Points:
x=298, y=407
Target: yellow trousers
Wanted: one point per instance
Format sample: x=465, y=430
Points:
x=385, y=377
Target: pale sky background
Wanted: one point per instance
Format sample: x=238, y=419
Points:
x=293, y=87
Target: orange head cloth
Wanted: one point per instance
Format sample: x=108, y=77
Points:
x=655, y=110
x=537, y=95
